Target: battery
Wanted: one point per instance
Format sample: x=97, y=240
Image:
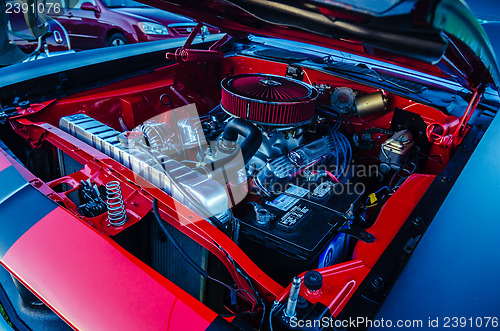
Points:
x=303, y=234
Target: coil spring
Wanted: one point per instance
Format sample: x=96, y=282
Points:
x=117, y=215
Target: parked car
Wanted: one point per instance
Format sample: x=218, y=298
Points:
x=100, y=23
x=289, y=173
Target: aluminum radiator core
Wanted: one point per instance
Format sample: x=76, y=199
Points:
x=209, y=193
x=268, y=99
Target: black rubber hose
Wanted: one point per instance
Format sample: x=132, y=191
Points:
x=253, y=136
x=200, y=270
x=181, y=251
x=174, y=242
x=252, y=142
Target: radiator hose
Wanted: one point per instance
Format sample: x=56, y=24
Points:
x=248, y=148
x=252, y=135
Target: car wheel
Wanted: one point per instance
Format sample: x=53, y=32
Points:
x=117, y=39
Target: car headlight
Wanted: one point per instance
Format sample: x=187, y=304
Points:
x=153, y=28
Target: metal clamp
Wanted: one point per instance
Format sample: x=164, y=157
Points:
x=263, y=216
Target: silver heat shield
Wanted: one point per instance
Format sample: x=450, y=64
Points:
x=209, y=193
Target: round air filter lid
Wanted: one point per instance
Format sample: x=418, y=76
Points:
x=268, y=99
x=269, y=88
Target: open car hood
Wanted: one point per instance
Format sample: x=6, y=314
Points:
x=439, y=37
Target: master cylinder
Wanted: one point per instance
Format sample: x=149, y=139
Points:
x=395, y=151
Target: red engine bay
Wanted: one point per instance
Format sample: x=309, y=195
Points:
x=299, y=136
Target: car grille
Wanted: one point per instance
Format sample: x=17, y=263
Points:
x=182, y=30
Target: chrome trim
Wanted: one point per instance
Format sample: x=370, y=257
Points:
x=83, y=36
x=66, y=34
x=57, y=37
x=175, y=25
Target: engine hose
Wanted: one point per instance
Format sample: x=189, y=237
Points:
x=253, y=136
x=174, y=242
x=253, y=140
x=200, y=270
x=181, y=251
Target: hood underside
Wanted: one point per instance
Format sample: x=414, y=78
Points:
x=440, y=37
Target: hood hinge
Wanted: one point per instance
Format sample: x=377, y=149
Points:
x=186, y=54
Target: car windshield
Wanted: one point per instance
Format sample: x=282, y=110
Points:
x=122, y=4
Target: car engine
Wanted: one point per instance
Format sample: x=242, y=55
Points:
x=266, y=138
x=238, y=185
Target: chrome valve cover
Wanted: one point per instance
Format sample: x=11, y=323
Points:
x=146, y=163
